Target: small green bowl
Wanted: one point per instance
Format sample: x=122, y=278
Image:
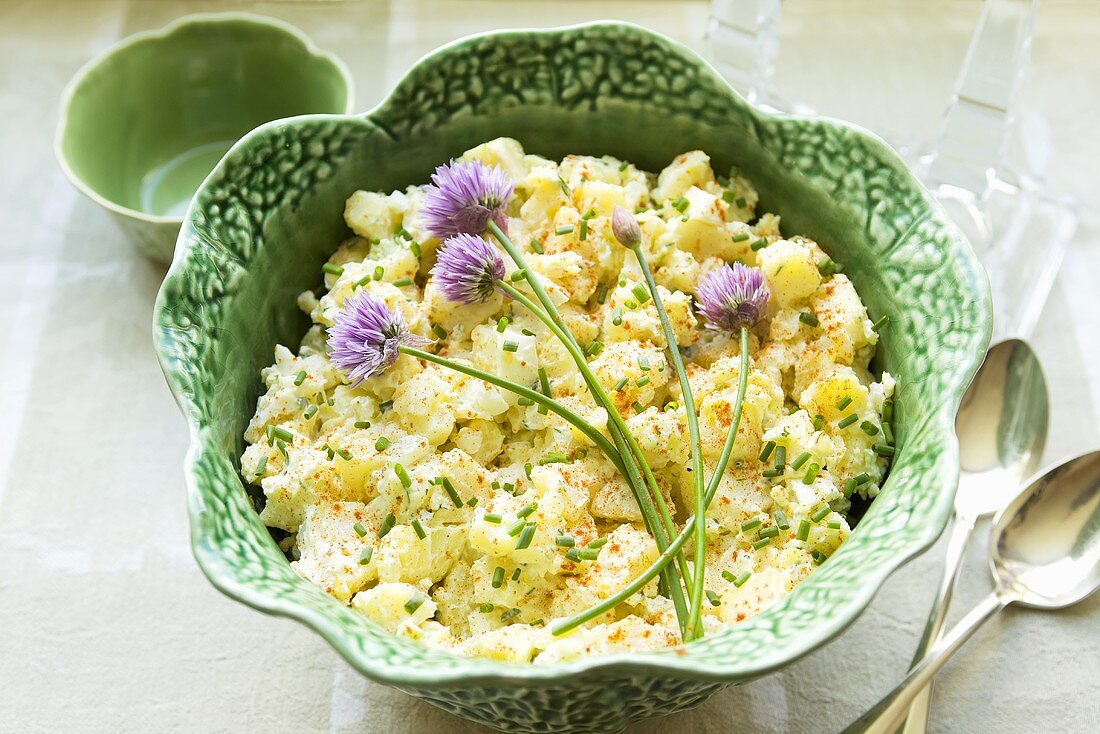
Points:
x=143, y=123
x=255, y=237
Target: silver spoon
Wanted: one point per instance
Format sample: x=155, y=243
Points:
x=1002, y=428
x=1044, y=552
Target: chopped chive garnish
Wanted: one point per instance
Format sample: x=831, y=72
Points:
x=502, y=324
x=495, y=485
x=402, y=282
x=472, y=502
x=881, y=322
x=869, y=428
x=414, y=248
x=617, y=316
x=260, y=466
x=780, y=456
x=415, y=602
x=882, y=449
x=819, y=422
x=800, y=460
x=803, y=532
x=582, y=231
x=516, y=574
x=387, y=525
x=573, y=555
x=594, y=348
x=310, y=412
x=740, y=580
x=888, y=410
x=536, y=246
x=526, y=536
x=769, y=532
x=385, y=405
x=544, y=381
x=379, y=271
x=638, y=407
x=643, y=364
x=328, y=450
x=509, y=488
x=763, y=542
x=630, y=303
x=300, y=378
x=333, y=269
x=598, y=543
x=728, y=576
x=826, y=267
x=526, y=332
x=766, y=453
x=740, y=237
x=862, y=478
x=527, y=469
x=772, y=473
x=740, y=201
x=518, y=275
x=564, y=230
x=819, y=557
x=849, y=487
x=554, y=457
x=493, y=518
x=524, y=401
x=362, y=424
x=528, y=510
x=844, y=402
x=498, y=577
x=713, y=598
x=623, y=166
x=781, y=521
x=820, y=513
x=601, y=295
x=359, y=529
x=564, y=541
x=642, y=381
x=758, y=245
x=366, y=555
x=847, y=421
x=509, y=615
x=589, y=554
x=808, y=319
x=510, y=346
x=640, y=293
x=418, y=528
x=680, y=204
x=515, y=528
x=619, y=385
x=564, y=186
x=887, y=432
x=343, y=454
x=439, y=331
x=834, y=524
x=280, y=433
x=486, y=607
x=281, y=445
x=406, y=480
x=811, y=474
x=450, y=490
x=750, y=524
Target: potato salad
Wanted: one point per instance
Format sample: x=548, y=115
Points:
x=462, y=515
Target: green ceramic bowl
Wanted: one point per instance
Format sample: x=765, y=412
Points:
x=144, y=123
x=265, y=220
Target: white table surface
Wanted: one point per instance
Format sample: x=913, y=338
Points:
x=106, y=623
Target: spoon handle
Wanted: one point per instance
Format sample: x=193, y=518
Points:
x=961, y=529
x=888, y=713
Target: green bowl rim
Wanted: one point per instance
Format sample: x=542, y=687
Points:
x=160, y=34
x=665, y=661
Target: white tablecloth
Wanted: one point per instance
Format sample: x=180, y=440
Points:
x=106, y=623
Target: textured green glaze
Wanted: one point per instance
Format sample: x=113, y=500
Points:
x=144, y=123
x=270, y=213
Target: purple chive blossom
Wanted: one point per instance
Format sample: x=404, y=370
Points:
x=625, y=227
x=463, y=197
x=364, y=337
x=732, y=297
x=467, y=269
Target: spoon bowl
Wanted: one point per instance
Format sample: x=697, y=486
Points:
x=1044, y=553
x=1045, y=544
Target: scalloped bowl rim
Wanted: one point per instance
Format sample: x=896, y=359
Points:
x=653, y=663
x=160, y=34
